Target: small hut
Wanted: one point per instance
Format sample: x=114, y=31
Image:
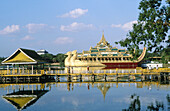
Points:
x=23, y=58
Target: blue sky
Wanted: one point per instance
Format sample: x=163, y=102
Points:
x=60, y=26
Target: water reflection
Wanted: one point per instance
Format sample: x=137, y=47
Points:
x=86, y=92
x=22, y=96
x=156, y=107
x=104, y=88
x=135, y=104
x=23, y=99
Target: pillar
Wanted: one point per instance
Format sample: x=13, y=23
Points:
x=8, y=90
x=50, y=87
x=32, y=89
x=49, y=67
x=116, y=84
x=111, y=59
x=88, y=86
x=69, y=78
x=23, y=69
x=105, y=77
x=80, y=78
x=143, y=77
x=7, y=68
x=23, y=88
x=13, y=68
x=68, y=86
x=32, y=69
x=19, y=70
x=72, y=86
x=92, y=59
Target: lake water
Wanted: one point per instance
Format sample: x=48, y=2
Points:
x=85, y=96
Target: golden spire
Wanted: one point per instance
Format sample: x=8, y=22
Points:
x=103, y=43
x=103, y=39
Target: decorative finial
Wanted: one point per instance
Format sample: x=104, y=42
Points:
x=103, y=39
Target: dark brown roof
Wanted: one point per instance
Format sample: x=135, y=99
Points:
x=33, y=54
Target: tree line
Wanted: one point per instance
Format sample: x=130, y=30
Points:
x=49, y=58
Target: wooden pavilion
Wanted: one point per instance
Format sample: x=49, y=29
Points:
x=23, y=58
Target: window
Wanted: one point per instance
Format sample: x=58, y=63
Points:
x=102, y=49
x=121, y=50
x=90, y=59
x=93, y=54
x=94, y=59
x=94, y=50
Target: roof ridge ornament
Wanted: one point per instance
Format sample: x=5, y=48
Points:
x=103, y=38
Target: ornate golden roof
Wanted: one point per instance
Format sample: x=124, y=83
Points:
x=103, y=43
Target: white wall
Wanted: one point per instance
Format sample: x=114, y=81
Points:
x=152, y=65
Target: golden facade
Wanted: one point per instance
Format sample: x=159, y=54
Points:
x=103, y=54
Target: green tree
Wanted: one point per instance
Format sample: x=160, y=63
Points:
x=60, y=58
x=151, y=29
x=1, y=59
x=48, y=57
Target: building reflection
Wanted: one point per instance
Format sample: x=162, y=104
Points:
x=104, y=88
x=22, y=96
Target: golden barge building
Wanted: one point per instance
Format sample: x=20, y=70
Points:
x=103, y=55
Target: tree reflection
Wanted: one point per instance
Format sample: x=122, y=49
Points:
x=157, y=107
x=168, y=99
x=135, y=104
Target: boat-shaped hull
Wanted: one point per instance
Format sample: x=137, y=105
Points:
x=103, y=55
x=122, y=65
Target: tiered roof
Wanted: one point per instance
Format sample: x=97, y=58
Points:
x=103, y=43
x=103, y=48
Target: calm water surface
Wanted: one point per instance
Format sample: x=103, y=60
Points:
x=97, y=96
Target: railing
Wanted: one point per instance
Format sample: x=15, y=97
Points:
x=20, y=72
x=110, y=71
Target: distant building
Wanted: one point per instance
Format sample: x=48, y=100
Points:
x=152, y=65
x=41, y=52
x=153, y=62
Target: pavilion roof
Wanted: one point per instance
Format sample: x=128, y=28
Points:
x=23, y=56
